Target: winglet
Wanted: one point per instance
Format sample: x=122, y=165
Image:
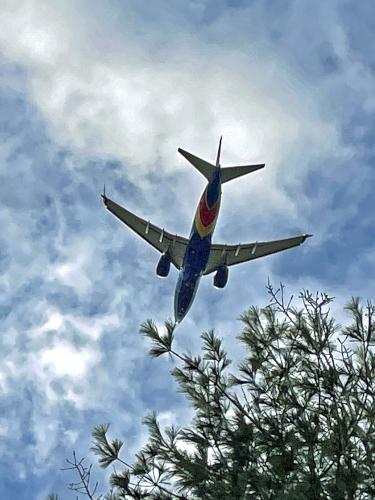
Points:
x=103, y=195
x=305, y=236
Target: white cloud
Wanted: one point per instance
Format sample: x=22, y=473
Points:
x=73, y=272
x=138, y=108
x=63, y=359
x=54, y=322
x=89, y=328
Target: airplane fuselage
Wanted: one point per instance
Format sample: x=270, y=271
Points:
x=198, y=249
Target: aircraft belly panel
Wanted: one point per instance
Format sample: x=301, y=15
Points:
x=186, y=290
x=196, y=255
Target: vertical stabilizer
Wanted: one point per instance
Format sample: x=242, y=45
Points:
x=218, y=153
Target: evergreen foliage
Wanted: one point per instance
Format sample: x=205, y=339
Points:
x=295, y=420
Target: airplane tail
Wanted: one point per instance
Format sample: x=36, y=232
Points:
x=227, y=173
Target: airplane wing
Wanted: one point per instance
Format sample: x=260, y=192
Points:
x=158, y=238
x=235, y=254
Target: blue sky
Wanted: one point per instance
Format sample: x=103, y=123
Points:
x=94, y=92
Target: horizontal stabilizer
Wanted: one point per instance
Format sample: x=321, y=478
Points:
x=229, y=173
x=205, y=168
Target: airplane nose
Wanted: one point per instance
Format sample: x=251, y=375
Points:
x=179, y=314
x=184, y=296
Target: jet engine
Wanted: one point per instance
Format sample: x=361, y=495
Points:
x=164, y=265
x=221, y=277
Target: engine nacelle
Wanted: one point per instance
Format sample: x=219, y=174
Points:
x=221, y=277
x=164, y=264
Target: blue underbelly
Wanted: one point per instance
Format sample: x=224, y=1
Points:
x=184, y=296
x=194, y=264
x=196, y=256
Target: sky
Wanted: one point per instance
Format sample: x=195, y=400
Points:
x=95, y=92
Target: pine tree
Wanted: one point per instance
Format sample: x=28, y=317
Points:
x=295, y=420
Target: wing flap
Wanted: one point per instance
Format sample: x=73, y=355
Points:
x=158, y=238
x=235, y=254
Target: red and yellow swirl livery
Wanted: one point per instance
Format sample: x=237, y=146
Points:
x=205, y=217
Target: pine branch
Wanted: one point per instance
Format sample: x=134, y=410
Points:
x=109, y=453
x=161, y=344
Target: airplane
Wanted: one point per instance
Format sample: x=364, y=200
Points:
x=197, y=255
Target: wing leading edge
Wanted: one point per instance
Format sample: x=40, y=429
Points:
x=158, y=238
x=235, y=254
